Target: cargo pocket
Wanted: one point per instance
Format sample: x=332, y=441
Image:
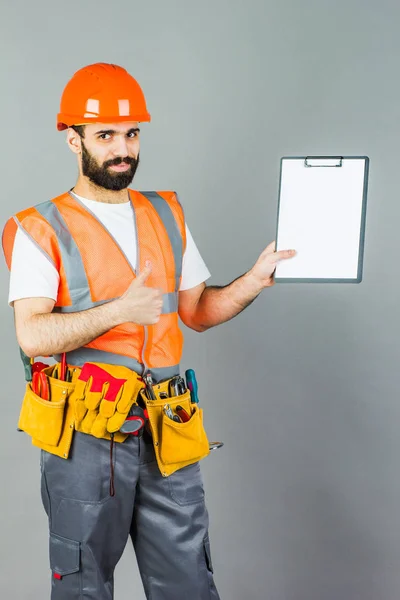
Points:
x=44, y=491
x=85, y=476
x=186, y=485
x=207, y=554
x=42, y=419
x=65, y=566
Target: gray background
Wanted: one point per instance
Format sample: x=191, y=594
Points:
x=303, y=386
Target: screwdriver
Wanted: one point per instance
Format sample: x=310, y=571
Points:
x=192, y=385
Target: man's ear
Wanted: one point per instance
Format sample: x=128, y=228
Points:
x=74, y=141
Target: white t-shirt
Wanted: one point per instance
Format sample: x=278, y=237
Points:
x=34, y=276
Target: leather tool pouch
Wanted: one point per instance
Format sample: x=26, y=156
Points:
x=176, y=445
x=50, y=423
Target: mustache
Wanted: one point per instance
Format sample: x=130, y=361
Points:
x=117, y=161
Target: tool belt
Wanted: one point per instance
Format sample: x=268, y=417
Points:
x=100, y=406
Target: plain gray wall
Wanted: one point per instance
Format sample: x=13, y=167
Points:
x=303, y=387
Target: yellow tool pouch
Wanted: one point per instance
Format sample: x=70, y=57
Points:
x=50, y=423
x=176, y=445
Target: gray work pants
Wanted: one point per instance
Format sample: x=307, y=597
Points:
x=166, y=518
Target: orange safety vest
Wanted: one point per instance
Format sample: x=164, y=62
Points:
x=94, y=270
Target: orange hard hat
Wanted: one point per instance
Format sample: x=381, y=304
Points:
x=104, y=93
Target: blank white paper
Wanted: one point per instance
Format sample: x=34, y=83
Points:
x=320, y=216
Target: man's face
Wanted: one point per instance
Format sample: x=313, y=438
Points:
x=110, y=154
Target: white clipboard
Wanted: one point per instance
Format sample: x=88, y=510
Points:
x=321, y=214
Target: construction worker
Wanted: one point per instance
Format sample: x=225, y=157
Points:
x=99, y=276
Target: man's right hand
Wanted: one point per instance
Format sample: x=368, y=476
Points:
x=141, y=304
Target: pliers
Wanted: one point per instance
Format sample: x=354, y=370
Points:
x=40, y=385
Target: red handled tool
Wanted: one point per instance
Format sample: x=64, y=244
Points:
x=181, y=412
x=63, y=367
x=40, y=385
x=38, y=366
x=135, y=420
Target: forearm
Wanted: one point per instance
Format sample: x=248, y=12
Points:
x=55, y=333
x=220, y=304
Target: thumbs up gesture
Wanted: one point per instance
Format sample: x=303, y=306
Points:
x=141, y=304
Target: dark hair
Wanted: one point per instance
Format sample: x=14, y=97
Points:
x=80, y=130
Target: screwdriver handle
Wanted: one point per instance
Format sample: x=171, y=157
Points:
x=191, y=382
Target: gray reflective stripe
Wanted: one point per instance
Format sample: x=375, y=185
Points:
x=170, y=303
x=170, y=224
x=165, y=373
x=81, y=355
x=77, y=307
x=75, y=273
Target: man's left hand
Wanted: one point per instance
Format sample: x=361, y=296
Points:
x=265, y=266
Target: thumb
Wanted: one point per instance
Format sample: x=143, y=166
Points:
x=270, y=249
x=144, y=274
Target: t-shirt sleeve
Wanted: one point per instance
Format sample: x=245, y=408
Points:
x=194, y=269
x=32, y=274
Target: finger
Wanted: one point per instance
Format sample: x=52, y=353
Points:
x=80, y=410
x=99, y=427
x=144, y=274
x=285, y=254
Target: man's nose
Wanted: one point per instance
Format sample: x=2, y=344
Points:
x=121, y=147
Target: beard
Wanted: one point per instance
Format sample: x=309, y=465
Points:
x=101, y=176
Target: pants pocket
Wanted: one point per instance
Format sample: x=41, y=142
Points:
x=207, y=554
x=65, y=567
x=44, y=492
x=186, y=485
x=85, y=476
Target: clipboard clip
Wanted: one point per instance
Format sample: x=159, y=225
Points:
x=323, y=161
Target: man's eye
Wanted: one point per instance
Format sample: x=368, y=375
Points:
x=104, y=136
x=132, y=134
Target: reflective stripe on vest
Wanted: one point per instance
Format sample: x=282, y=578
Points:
x=170, y=225
x=74, y=270
x=81, y=355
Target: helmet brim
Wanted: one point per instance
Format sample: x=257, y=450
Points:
x=65, y=121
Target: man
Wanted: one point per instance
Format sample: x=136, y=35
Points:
x=96, y=274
